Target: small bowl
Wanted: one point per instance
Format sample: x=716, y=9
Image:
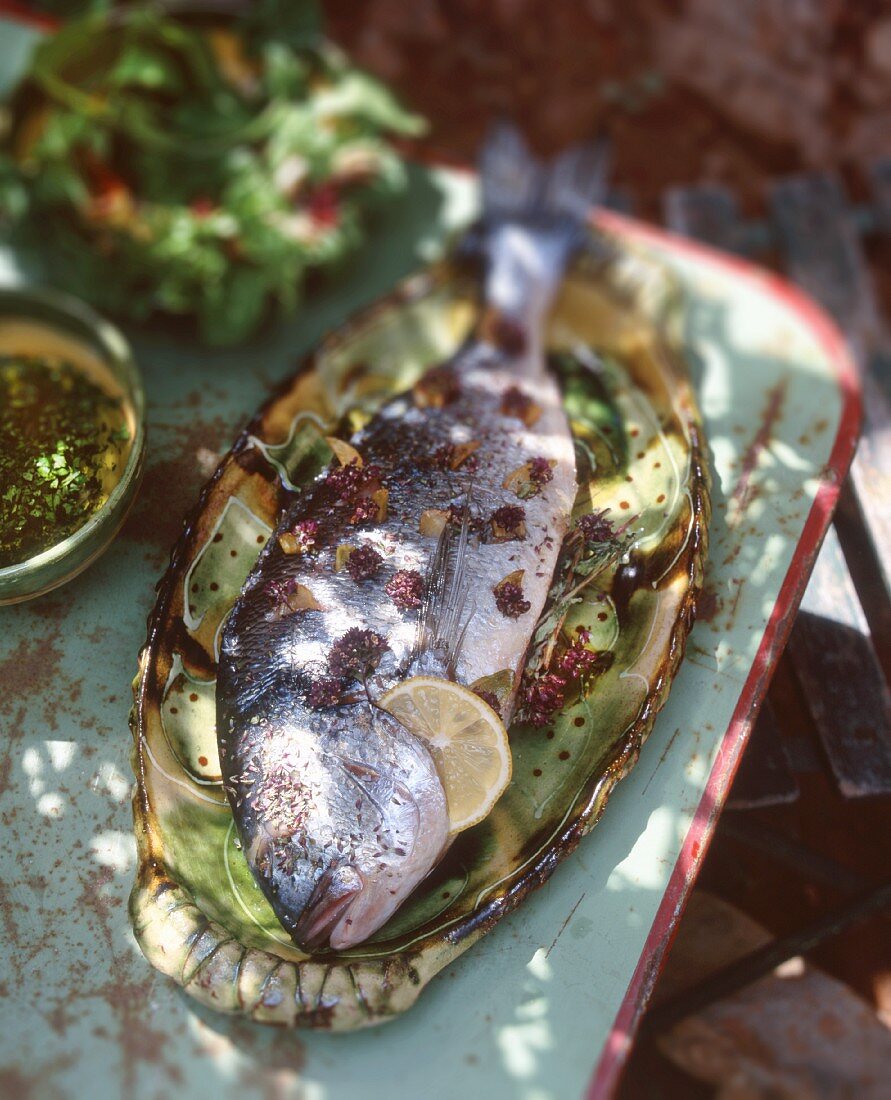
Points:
x=73, y=328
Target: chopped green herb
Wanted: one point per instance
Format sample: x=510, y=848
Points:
x=62, y=441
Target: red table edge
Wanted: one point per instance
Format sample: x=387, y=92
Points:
x=612, y=1060
x=615, y=1052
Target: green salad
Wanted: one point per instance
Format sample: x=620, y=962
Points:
x=201, y=165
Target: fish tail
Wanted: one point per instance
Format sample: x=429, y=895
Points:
x=516, y=186
x=535, y=216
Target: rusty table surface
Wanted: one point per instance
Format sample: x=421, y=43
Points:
x=554, y=992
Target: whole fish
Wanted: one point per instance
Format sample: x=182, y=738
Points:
x=428, y=546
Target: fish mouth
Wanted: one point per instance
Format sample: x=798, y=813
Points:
x=335, y=892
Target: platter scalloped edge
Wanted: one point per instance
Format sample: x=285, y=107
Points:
x=336, y=992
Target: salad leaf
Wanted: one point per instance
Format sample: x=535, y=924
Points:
x=234, y=307
x=196, y=167
x=146, y=68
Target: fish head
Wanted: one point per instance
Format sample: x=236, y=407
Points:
x=346, y=815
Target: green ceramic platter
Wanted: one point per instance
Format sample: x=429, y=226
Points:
x=196, y=911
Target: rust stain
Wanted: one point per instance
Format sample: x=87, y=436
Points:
x=11, y=925
x=744, y=491
x=31, y=677
x=277, y=1051
x=38, y=697
x=708, y=604
x=51, y=607
x=98, y=636
x=171, y=484
x=126, y=997
x=14, y=1082
x=18, y=1083
x=734, y=606
x=271, y=384
x=30, y=670
x=6, y=759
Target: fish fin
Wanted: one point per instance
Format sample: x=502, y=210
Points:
x=576, y=180
x=516, y=186
x=444, y=615
x=510, y=177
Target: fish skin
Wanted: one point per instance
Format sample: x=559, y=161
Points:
x=266, y=663
x=340, y=810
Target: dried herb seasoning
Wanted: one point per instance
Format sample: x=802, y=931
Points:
x=63, y=447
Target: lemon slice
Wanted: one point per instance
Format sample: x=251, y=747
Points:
x=466, y=738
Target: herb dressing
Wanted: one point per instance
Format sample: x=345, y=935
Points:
x=66, y=431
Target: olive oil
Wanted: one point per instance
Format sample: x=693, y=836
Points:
x=66, y=430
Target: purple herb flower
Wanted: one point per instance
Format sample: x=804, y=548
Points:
x=356, y=654
x=364, y=563
x=365, y=511
x=307, y=531
x=438, y=387
x=578, y=661
x=540, y=471
x=350, y=482
x=346, y=481
x=406, y=588
x=543, y=698
x=519, y=405
x=596, y=529
x=279, y=593
x=324, y=692
x=508, y=522
x=509, y=599
x=441, y=458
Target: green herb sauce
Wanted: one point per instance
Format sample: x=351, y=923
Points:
x=64, y=443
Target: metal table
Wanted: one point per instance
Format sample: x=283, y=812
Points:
x=551, y=997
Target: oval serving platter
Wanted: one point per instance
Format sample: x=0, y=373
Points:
x=198, y=916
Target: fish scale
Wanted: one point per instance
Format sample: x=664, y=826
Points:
x=339, y=807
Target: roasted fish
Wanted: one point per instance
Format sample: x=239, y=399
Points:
x=427, y=548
